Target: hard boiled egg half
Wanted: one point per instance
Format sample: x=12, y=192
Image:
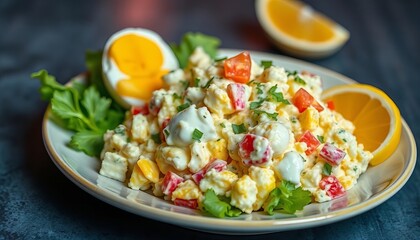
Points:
x=133, y=63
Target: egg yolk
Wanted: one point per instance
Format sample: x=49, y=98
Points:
x=141, y=60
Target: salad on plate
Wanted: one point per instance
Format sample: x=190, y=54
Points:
x=224, y=135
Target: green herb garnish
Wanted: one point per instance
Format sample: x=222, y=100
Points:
x=183, y=106
x=320, y=138
x=277, y=96
x=299, y=80
x=326, y=170
x=197, y=134
x=266, y=64
x=209, y=82
x=197, y=82
x=237, y=129
x=156, y=138
x=270, y=115
x=287, y=198
x=83, y=109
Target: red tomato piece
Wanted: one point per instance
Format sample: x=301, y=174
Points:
x=249, y=154
x=144, y=110
x=191, y=203
x=311, y=142
x=238, y=68
x=236, y=93
x=332, y=154
x=170, y=182
x=330, y=105
x=332, y=186
x=302, y=100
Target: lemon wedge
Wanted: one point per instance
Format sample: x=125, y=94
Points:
x=298, y=29
x=376, y=117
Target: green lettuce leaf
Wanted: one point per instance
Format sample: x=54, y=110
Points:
x=192, y=40
x=218, y=208
x=287, y=198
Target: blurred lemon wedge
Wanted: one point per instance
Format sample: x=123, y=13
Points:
x=298, y=29
x=376, y=117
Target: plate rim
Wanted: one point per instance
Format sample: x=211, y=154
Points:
x=231, y=226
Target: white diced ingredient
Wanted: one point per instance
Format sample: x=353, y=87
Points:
x=265, y=181
x=194, y=94
x=186, y=190
x=244, y=194
x=132, y=152
x=278, y=135
x=274, y=74
x=114, y=166
x=290, y=167
x=200, y=156
x=199, y=58
x=220, y=182
x=177, y=157
x=140, y=128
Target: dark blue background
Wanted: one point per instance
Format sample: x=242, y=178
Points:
x=38, y=201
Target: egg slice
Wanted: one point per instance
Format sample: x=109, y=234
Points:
x=133, y=63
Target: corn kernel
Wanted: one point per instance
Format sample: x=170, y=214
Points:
x=309, y=119
x=149, y=169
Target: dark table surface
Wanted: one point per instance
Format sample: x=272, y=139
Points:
x=38, y=201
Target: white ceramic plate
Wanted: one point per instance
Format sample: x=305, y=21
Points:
x=375, y=186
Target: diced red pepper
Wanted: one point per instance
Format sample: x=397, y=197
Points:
x=332, y=154
x=218, y=165
x=236, y=93
x=191, y=203
x=143, y=109
x=238, y=68
x=170, y=182
x=311, y=142
x=332, y=186
x=330, y=105
x=246, y=148
x=302, y=100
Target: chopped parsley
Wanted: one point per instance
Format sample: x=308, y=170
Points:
x=266, y=64
x=222, y=125
x=320, y=138
x=299, y=80
x=166, y=132
x=156, y=138
x=209, y=82
x=176, y=96
x=197, y=134
x=237, y=129
x=183, y=106
x=185, y=84
x=270, y=115
x=257, y=104
x=290, y=73
x=220, y=59
x=197, y=82
x=355, y=168
x=326, y=170
x=277, y=96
